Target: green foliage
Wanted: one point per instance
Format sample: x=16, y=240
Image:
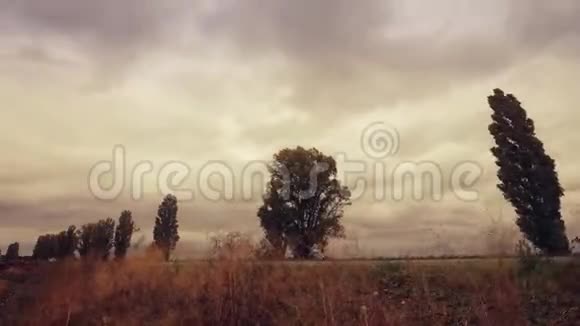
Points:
x=165, y=233
x=96, y=239
x=123, y=234
x=12, y=253
x=527, y=175
x=304, y=204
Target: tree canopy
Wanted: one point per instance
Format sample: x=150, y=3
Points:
x=123, y=234
x=527, y=175
x=13, y=251
x=96, y=239
x=304, y=203
x=165, y=233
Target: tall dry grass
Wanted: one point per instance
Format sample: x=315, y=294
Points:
x=249, y=292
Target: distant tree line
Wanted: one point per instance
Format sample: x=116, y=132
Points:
x=59, y=245
x=96, y=241
x=92, y=240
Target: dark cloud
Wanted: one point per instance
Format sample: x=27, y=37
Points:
x=331, y=32
x=319, y=29
x=106, y=23
x=340, y=59
x=538, y=23
x=112, y=34
x=336, y=52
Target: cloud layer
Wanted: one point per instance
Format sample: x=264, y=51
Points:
x=235, y=81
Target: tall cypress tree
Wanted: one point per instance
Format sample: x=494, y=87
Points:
x=527, y=175
x=123, y=234
x=165, y=232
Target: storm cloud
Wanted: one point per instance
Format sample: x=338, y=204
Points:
x=234, y=81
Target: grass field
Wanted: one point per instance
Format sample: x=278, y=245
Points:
x=242, y=292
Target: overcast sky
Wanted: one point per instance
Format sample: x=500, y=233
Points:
x=234, y=81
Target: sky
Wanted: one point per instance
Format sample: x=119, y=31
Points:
x=218, y=86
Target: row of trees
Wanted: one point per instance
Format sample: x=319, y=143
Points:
x=527, y=178
x=93, y=239
x=305, y=202
x=97, y=240
x=59, y=245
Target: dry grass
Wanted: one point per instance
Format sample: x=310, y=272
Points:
x=235, y=292
x=4, y=288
